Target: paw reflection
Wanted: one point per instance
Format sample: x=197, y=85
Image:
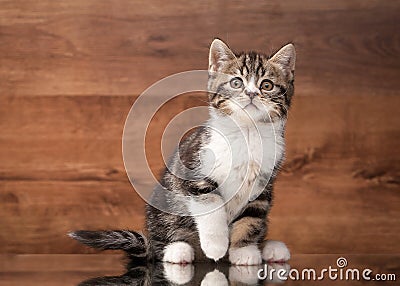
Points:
x=178, y=273
x=244, y=274
x=219, y=274
x=214, y=278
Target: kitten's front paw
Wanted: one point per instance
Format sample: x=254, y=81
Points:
x=178, y=252
x=215, y=246
x=248, y=255
x=212, y=225
x=275, y=251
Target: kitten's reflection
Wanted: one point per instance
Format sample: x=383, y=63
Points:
x=189, y=274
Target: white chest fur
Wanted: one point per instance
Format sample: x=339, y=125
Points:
x=236, y=156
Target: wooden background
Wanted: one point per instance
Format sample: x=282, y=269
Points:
x=70, y=71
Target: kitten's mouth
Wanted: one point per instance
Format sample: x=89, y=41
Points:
x=250, y=105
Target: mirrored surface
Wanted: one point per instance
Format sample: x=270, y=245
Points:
x=190, y=274
x=105, y=269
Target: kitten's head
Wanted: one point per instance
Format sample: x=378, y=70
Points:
x=251, y=84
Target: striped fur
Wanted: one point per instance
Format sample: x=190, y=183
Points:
x=133, y=243
x=249, y=93
x=255, y=67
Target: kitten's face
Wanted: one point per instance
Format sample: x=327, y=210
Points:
x=251, y=85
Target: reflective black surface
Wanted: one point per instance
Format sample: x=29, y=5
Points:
x=196, y=274
x=111, y=269
x=311, y=270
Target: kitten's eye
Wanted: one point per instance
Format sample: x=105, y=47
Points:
x=267, y=85
x=236, y=82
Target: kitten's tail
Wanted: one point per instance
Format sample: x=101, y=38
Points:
x=133, y=243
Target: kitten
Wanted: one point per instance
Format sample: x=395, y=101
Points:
x=226, y=168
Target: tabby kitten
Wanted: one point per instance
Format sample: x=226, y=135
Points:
x=226, y=168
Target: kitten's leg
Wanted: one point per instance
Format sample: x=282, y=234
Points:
x=247, y=232
x=275, y=251
x=178, y=252
x=212, y=224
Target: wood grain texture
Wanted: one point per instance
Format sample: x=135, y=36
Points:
x=106, y=48
x=36, y=216
x=70, y=71
x=322, y=207
x=79, y=137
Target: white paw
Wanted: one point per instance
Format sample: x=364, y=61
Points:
x=248, y=255
x=178, y=273
x=244, y=274
x=178, y=252
x=212, y=226
x=214, y=246
x=214, y=278
x=275, y=251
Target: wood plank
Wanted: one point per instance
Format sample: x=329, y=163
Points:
x=106, y=48
x=79, y=138
x=15, y=263
x=325, y=208
x=36, y=216
x=320, y=208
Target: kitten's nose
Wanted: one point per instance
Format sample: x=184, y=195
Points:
x=250, y=94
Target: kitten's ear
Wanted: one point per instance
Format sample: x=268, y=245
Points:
x=219, y=55
x=285, y=57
